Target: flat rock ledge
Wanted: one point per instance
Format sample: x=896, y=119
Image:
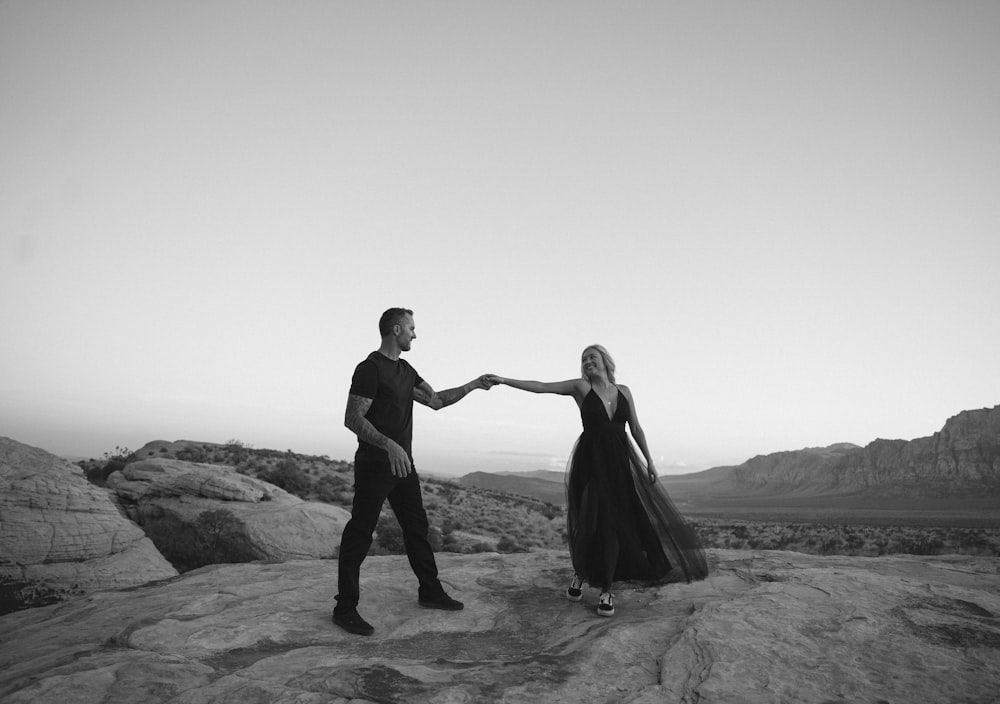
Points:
x=764, y=627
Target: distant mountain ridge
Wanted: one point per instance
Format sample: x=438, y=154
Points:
x=958, y=465
x=963, y=458
x=545, y=485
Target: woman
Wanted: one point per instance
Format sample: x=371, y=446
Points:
x=621, y=525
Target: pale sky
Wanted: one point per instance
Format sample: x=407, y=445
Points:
x=782, y=218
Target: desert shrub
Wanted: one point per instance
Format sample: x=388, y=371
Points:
x=550, y=511
x=216, y=537
x=917, y=545
x=18, y=594
x=436, y=538
x=854, y=541
x=389, y=535
x=975, y=542
x=333, y=489
x=192, y=454
x=236, y=451
x=223, y=537
x=507, y=544
x=835, y=538
x=289, y=476
x=251, y=466
x=97, y=472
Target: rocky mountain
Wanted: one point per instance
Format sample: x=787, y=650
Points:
x=960, y=460
x=956, y=468
x=543, y=485
x=764, y=627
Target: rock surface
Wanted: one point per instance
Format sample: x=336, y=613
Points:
x=61, y=536
x=764, y=627
x=169, y=498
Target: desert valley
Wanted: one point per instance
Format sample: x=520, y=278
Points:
x=188, y=572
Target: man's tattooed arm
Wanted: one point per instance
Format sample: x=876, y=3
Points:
x=439, y=399
x=354, y=419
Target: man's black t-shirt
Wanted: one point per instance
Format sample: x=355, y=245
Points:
x=389, y=384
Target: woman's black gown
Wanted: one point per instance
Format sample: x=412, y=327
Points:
x=620, y=527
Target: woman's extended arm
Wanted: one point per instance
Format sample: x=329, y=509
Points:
x=577, y=388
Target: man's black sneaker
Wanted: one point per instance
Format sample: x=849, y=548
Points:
x=443, y=602
x=352, y=622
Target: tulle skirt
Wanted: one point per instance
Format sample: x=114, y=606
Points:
x=621, y=527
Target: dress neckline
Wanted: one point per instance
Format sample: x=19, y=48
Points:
x=607, y=405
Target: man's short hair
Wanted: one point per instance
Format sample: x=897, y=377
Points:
x=390, y=318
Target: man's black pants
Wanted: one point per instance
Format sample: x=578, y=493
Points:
x=373, y=484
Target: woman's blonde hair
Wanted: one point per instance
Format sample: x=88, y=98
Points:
x=609, y=363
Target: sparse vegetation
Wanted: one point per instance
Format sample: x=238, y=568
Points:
x=98, y=471
x=289, y=476
x=467, y=519
x=216, y=537
x=847, y=539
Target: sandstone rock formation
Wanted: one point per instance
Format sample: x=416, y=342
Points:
x=209, y=512
x=60, y=536
x=764, y=627
x=960, y=460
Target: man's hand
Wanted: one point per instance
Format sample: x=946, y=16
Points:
x=486, y=382
x=399, y=461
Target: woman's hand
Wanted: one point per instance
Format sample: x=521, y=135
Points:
x=486, y=381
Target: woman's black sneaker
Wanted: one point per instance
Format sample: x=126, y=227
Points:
x=574, y=592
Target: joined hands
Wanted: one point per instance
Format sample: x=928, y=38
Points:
x=487, y=381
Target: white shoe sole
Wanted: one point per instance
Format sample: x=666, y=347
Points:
x=606, y=612
x=574, y=597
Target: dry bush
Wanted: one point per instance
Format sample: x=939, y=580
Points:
x=847, y=539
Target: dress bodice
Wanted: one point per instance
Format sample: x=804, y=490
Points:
x=595, y=416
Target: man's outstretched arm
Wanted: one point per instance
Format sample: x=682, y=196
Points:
x=424, y=394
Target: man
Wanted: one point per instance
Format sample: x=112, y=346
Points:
x=380, y=413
